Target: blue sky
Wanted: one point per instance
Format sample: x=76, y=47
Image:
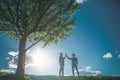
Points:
x=95, y=41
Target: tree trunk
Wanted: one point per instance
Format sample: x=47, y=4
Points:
x=21, y=60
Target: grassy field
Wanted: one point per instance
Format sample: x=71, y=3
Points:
x=9, y=76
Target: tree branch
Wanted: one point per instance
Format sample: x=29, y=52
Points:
x=36, y=42
x=41, y=16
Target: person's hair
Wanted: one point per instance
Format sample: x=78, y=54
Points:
x=73, y=54
x=60, y=53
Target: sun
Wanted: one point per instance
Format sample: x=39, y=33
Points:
x=41, y=59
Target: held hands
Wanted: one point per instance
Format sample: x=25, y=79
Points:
x=66, y=55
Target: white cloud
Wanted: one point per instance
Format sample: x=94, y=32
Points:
x=14, y=59
x=81, y=1
x=5, y=70
x=12, y=53
x=13, y=62
x=89, y=72
x=88, y=68
x=107, y=55
x=98, y=72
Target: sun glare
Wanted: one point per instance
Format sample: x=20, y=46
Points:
x=41, y=59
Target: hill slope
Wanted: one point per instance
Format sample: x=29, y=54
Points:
x=4, y=76
x=75, y=78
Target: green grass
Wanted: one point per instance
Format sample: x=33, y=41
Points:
x=10, y=76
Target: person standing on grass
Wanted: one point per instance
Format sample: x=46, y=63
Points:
x=61, y=63
x=74, y=63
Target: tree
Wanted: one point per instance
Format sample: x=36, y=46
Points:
x=47, y=21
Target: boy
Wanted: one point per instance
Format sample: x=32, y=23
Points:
x=61, y=63
x=74, y=63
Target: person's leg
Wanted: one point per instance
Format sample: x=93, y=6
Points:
x=73, y=70
x=60, y=70
x=63, y=70
x=77, y=70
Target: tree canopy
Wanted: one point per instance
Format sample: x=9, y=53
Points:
x=48, y=21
